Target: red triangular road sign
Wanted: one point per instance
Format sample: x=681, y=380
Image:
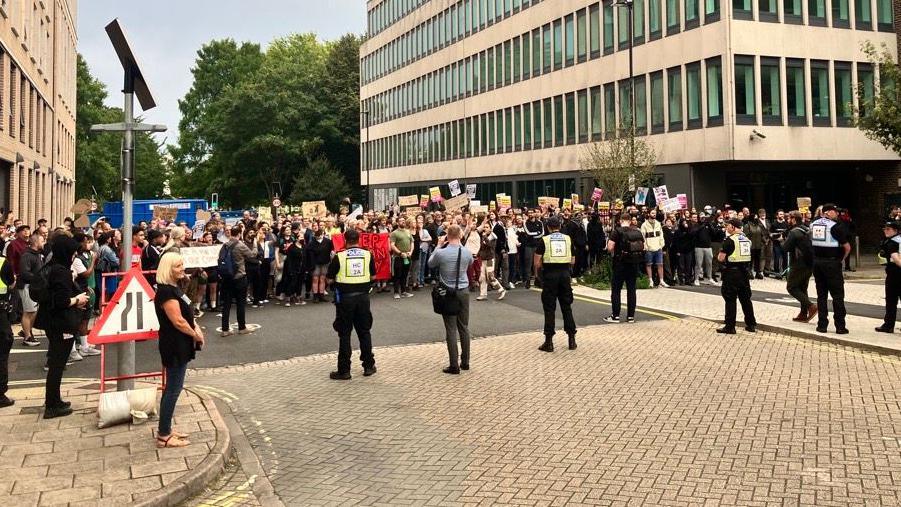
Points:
x=130, y=315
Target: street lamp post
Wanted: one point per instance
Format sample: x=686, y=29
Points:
x=366, y=150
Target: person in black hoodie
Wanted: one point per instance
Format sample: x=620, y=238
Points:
x=53, y=317
x=534, y=231
x=597, y=239
x=683, y=247
x=572, y=227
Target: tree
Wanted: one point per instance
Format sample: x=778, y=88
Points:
x=619, y=165
x=320, y=181
x=879, y=114
x=97, y=159
x=342, y=93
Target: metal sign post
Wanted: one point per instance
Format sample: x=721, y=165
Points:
x=134, y=84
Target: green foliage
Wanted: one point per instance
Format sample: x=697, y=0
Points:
x=600, y=276
x=254, y=122
x=620, y=164
x=97, y=159
x=320, y=181
x=882, y=119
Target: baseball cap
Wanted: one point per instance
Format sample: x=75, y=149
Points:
x=829, y=207
x=893, y=224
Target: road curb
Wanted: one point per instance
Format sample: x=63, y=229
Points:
x=197, y=479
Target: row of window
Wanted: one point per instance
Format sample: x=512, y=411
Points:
x=817, y=11
x=572, y=39
x=670, y=100
x=389, y=12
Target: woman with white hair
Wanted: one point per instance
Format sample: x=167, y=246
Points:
x=179, y=337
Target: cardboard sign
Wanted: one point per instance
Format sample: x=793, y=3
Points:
x=574, y=198
x=408, y=200
x=471, y=190
x=641, y=196
x=492, y=206
x=264, y=214
x=683, y=201
x=505, y=201
x=203, y=215
x=454, y=188
x=201, y=256
x=82, y=222
x=314, y=209
x=804, y=204
x=567, y=204
x=458, y=202
x=81, y=207
x=167, y=213
x=618, y=205
x=597, y=194
x=423, y=201
x=476, y=210
x=412, y=211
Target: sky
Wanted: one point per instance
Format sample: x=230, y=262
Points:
x=166, y=34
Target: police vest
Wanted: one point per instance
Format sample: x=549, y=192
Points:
x=821, y=234
x=3, y=288
x=557, y=249
x=882, y=256
x=742, y=251
x=353, y=266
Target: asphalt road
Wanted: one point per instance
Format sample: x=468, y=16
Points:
x=307, y=330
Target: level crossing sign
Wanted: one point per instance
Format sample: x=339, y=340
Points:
x=130, y=314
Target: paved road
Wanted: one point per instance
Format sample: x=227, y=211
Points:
x=659, y=413
x=301, y=331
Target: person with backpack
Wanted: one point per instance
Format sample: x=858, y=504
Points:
x=800, y=268
x=233, y=278
x=626, y=245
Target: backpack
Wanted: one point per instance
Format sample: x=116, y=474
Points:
x=227, y=265
x=39, y=288
x=633, y=245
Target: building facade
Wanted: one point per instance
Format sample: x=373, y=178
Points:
x=37, y=108
x=749, y=103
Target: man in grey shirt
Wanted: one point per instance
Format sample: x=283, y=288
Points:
x=235, y=287
x=452, y=260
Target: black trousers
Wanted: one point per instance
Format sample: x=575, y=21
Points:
x=265, y=271
x=57, y=354
x=796, y=284
x=556, y=285
x=756, y=260
x=736, y=286
x=352, y=313
x=624, y=273
x=581, y=261
x=892, y=295
x=6, y=343
x=233, y=289
x=401, y=273
x=827, y=275
x=254, y=281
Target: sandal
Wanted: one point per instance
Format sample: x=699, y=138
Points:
x=171, y=441
x=176, y=434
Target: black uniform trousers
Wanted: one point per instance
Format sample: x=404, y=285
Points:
x=6, y=344
x=624, y=273
x=827, y=275
x=892, y=295
x=556, y=285
x=352, y=313
x=736, y=286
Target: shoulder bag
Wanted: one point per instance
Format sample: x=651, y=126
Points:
x=444, y=299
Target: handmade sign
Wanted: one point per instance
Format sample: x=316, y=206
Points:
x=804, y=204
x=505, y=201
x=574, y=198
x=201, y=256
x=661, y=195
x=314, y=209
x=435, y=193
x=408, y=200
x=378, y=245
x=455, y=203
x=264, y=214
x=167, y=213
x=423, y=201
x=567, y=204
x=203, y=215
x=81, y=207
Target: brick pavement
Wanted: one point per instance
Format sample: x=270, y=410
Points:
x=69, y=460
x=663, y=413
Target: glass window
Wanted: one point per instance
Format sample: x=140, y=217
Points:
x=483, y=140
x=490, y=68
x=508, y=63
x=884, y=15
x=711, y=10
x=654, y=18
x=673, y=16
x=570, y=113
x=527, y=126
x=714, y=91
x=526, y=56
x=693, y=93
x=745, y=106
x=491, y=10
x=594, y=22
x=610, y=110
x=499, y=65
x=558, y=120
x=625, y=105
x=819, y=92
x=537, y=126
x=691, y=13
x=770, y=91
x=548, y=123
x=583, y=115
x=558, y=44
x=863, y=15
x=570, y=40
x=546, y=48
x=536, y=52
x=768, y=10
x=657, y=117
x=816, y=12
x=674, y=97
x=638, y=21
x=508, y=130
x=581, y=33
x=596, y=113
x=517, y=128
x=792, y=11
x=622, y=27
x=741, y=9
x=843, y=93
x=498, y=14
x=641, y=106
x=795, y=92
x=840, y=14
x=517, y=59
x=491, y=134
x=867, y=88
x=608, y=26
x=508, y=7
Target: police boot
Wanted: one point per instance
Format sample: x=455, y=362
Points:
x=726, y=330
x=548, y=345
x=572, y=342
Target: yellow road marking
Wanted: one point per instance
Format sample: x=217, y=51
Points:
x=607, y=303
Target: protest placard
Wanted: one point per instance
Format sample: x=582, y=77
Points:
x=423, y=201
x=574, y=198
x=408, y=200
x=641, y=196
x=314, y=209
x=435, y=193
x=455, y=203
x=661, y=195
x=201, y=256
x=597, y=194
x=454, y=188
x=471, y=190
x=567, y=204
x=504, y=201
x=264, y=214
x=683, y=201
x=167, y=213
x=804, y=204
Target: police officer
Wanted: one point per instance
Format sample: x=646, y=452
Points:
x=830, y=247
x=890, y=245
x=6, y=332
x=352, y=271
x=555, y=257
x=735, y=259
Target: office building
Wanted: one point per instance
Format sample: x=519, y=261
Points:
x=750, y=103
